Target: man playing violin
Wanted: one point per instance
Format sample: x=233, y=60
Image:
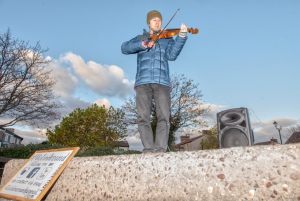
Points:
x=153, y=80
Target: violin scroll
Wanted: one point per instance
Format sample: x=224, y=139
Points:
x=193, y=30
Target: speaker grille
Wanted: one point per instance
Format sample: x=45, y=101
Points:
x=234, y=137
x=232, y=118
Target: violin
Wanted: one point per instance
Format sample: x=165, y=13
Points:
x=168, y=33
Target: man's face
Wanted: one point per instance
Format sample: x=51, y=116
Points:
x=155, y=24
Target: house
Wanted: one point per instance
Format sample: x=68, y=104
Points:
x=122, y=145
x=272, y=141
x=8, y=138
x=295, y=138
x=189, y=144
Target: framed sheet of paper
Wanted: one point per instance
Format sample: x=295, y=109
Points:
x=38, y=175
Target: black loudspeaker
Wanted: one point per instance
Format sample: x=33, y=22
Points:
x=234, y=128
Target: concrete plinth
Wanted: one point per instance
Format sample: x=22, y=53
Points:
x=242, y=173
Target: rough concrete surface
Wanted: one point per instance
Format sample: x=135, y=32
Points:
x=240, y=173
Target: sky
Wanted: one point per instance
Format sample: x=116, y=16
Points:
x=246, y=54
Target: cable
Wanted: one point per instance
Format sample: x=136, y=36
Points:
x=256, y=116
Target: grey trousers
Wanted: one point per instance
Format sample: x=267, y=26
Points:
x=144, y=96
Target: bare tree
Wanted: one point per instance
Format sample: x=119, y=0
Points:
x=186, y=107
x=295, y=128
x=25, y=84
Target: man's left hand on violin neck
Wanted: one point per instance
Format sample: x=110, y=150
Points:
x=183, y=31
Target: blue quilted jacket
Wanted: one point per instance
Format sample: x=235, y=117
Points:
x=152, y=63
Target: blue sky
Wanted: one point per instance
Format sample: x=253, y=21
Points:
x=246, y=54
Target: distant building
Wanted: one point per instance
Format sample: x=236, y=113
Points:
x=8, y=138
x=189, y=144
x=295, y=138
x=272, y=141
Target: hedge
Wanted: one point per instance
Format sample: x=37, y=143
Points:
x=24, y=152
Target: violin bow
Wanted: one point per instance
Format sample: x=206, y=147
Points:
x=168, y=22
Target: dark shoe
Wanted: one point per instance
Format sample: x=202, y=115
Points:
x=160, y=150
x=146, y=151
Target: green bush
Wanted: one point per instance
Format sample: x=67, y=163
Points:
x=17, y=152
x=103, y=151
x=26, y=151
x=96, y=151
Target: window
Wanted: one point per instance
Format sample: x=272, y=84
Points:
x=12, y=139
x=6, y=138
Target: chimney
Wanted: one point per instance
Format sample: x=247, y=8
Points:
x=184, y=138
x=11, y=130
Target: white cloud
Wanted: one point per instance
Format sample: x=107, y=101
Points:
x=33, y=136
x=70, y=103
x=72, y=73
x=211, y=115
x=104, y=101
x=104, y=80
x=65, y=86
x=65, y=81
x=70, y=70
